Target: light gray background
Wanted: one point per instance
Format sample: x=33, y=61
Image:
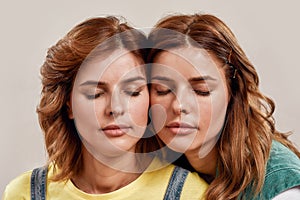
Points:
x=267, y=30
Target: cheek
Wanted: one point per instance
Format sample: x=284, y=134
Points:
x=159, y=107
x=138, y=110
x=213, y=114
x=86, y=113
x=83, y=111
x=85, y=118
x=219, y=104
x=205, y=110
x=158, y=117
x=164, y=102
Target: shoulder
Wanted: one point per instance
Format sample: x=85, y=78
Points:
x=282, y=159
x=281, y=156
x=193, y=186
x=164, y=169
x=18, y=188
x=283, y=168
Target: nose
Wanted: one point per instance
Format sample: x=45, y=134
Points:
x=182, y=102
x=178, y=108
x=115, y=105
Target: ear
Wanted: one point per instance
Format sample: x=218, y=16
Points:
x=69, y=109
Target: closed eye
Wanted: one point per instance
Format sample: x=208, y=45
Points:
x=133, y=93
x=161, y=89
x=202, y=93
x=163, y=92
x=93, y=96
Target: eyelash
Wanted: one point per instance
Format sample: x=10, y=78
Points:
x=97, y=95
x=201, y=93
x=198, y=92
x=93, y=96
x=133, y=94
x=162, y=92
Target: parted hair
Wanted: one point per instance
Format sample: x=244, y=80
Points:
x=245, y=142
x=58, y=72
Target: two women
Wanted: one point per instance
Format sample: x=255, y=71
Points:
x=205, y=104
x=94, y=113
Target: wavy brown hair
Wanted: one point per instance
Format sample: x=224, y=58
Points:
x=94, y=36
x=245, y=142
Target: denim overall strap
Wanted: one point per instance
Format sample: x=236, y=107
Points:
x=176, y=183
x=38, y=183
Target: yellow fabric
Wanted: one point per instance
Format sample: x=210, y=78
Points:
x=150, y=185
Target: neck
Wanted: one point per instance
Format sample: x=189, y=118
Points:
x=98, y=178
x=206, y=165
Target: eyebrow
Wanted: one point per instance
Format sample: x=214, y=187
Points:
x=161, y=78
x=93, y=83
x=194, y=79
x=138, y=78
x=201, y=78
x=101, y=83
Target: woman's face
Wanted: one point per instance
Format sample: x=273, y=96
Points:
x=188, y=99
x=110, y=104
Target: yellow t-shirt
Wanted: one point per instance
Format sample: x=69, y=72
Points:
x=149, y=185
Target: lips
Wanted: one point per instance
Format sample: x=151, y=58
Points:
x=181, y=128
x=115, y=130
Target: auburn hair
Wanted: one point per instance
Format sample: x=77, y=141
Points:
x=245, y=142
x=58, y=72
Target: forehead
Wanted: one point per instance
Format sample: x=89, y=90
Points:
x=117, y=65
x=188, y=62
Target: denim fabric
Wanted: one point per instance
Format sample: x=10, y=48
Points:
x=38, y=183
x=282, y=173
x=176, y=183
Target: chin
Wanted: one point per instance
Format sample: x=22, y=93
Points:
x=179, y=147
